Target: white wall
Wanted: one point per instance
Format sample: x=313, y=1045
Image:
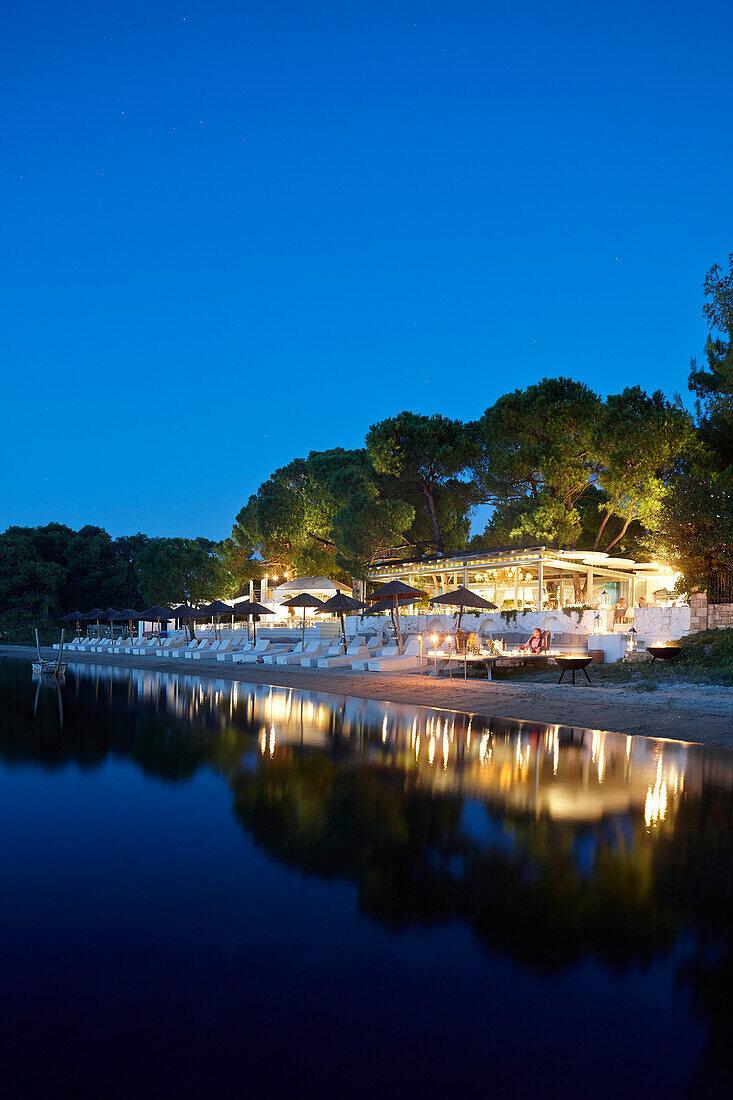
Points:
x=557, y=622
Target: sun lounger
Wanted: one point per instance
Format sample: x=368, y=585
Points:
x=214, y=650
x=312, y=660
x=295, y=656
x=237, y=650
x=144, y=647
x=361, y=664
x=263, y=646
x=399, y=662
x=203, y=646
x=171, y=642
x=290, y=650
x=311, y=657
x=207, y=651
x=358, y=649
x=178, y=651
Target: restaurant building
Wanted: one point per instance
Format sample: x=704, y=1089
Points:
x=535, y=577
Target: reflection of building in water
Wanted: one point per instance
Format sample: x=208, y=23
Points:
x=562, y=772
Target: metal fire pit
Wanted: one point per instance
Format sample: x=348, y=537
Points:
x=573, y=665
x=664, y=652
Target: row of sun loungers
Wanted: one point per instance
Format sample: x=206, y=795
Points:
x=361, y=654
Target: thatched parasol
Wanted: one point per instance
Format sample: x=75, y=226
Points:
x=337, y=605
x=110, y=616
x=156, y=614
x=129, y=616
x=73, y=617
x=463, y=598
x=393, y=591
x=249, y=609
x=186, y=615
x=303, y=599
x=94, y=616
x=215, y=610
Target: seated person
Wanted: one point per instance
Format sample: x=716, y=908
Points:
x=619, y=612
x=536, y=643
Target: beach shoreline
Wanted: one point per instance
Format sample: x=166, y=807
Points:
x=687, y=712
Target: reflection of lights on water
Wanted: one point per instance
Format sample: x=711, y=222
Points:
x=431, y=750
x=655, y=806
x=601, y=762
x=484, y=752
x=555, y=753
x=272, y=741
x=263, y=740
x=628, y=746
x=417, y=746
x=384, y=730
x=468, y=734
x=446, y=750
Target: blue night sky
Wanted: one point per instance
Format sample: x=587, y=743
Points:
x=233, y=233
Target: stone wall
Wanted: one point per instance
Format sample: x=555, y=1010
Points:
x=662, y=624
x=705, y=616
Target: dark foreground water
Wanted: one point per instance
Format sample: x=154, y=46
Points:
x=219, y=889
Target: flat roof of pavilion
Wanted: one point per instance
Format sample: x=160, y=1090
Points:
x=499, y=557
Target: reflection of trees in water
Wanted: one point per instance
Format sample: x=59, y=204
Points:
x=410, y=858
x=694, y=874
x=91, y=733
x=355, y=823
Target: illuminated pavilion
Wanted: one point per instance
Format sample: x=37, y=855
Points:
x=535, y=577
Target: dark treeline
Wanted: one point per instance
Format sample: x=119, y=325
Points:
x=632, y=473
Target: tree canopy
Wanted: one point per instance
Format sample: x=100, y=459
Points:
x=51, y=570
x=191, y=571
x=426, y=458
x=713, y=382
x=564, y=467
x=695, y=531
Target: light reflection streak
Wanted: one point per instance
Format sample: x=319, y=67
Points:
x=563, y=772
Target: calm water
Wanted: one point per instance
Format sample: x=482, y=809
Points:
x=213, y=888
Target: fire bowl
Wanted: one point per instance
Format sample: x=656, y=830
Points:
x=664, y=652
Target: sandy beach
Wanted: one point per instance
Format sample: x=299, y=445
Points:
x=688, y=712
